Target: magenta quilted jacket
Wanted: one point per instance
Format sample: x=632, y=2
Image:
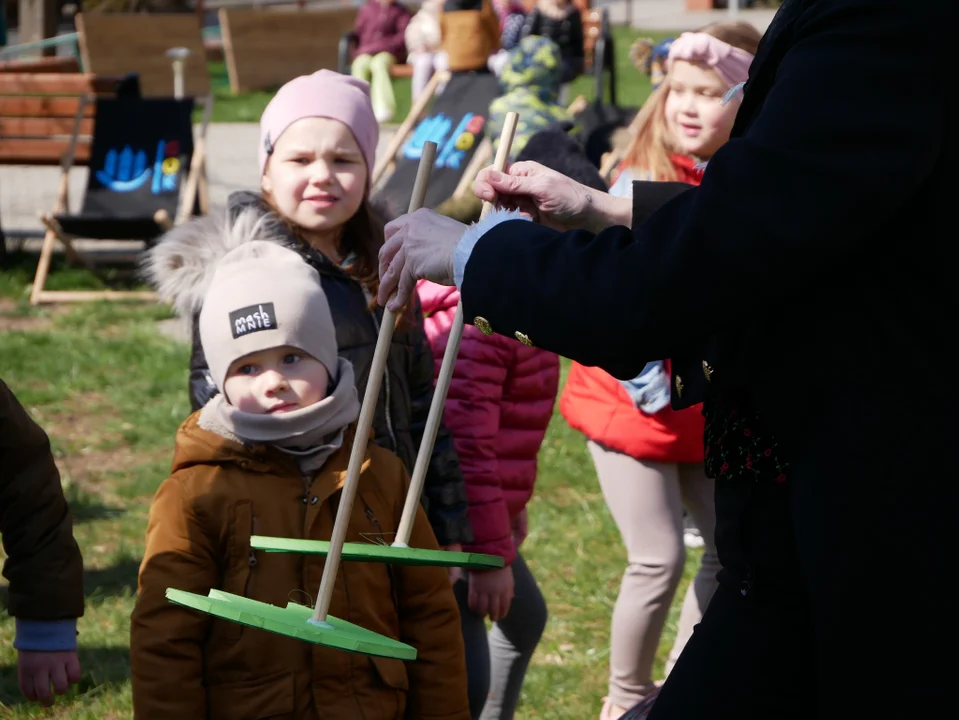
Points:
x=499, y=405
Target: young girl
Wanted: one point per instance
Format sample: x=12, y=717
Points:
x=499, y=404
x=649, y=458
x=268, y=455
x=423, y=42
x=560, y=21
x=317, y=142
x=380, y=27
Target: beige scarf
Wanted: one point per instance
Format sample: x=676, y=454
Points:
x=310, y=434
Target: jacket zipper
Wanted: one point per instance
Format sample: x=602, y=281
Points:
x=386, y=387
x=251, y=559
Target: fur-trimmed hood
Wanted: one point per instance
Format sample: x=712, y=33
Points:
x=181, y=264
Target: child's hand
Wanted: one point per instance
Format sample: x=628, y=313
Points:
x=491, y=592
x=38, y=670
x=455, y=572
x=520, y=527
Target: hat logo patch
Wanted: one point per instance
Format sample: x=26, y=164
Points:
x=251, y=319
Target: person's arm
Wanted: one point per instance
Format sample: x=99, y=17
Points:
x=472, y=415
x=830, y=158
x=490, y=22
x=396, y=43
x=166, y=640
x=576, y=49
x=43, y=564
x=202, y=387
x=430, y=621
x=444, y=487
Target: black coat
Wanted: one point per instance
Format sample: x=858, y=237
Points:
x=567, y=33
x=812, y=272
x=405, y=394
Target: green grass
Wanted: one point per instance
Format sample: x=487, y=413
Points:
x=111, y=392
x=633, y=87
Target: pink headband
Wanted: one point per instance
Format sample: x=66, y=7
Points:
x=730, y=63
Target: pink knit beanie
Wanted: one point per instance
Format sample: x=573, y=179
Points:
x=324, y=94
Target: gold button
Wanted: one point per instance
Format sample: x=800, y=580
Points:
x=482, y=324
x=707, y=371
x=679, y=385
x=523, y=338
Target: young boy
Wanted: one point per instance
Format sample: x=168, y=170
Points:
x=43, y=562
x=268, y=455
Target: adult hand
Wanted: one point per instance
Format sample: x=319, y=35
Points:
x=38, y=670
x=491, y=592
x=550, y=198
x=418, y=245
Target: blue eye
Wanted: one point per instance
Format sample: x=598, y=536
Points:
x=291, y=359
x=246, y=370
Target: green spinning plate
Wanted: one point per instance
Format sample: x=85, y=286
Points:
x=381, y=553
x=293, y=621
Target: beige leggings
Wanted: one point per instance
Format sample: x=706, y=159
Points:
x=646, y=500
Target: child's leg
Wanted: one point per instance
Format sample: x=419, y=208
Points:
x=644, y=500
x=422, y=63
x=512, y=642
x=698, y=497
x=361, y=67
x=477, y=650
x=381, y=87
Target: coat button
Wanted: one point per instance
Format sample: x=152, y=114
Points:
x=708, y=371
x=314, y=500
x=523, y=338
x=482, y=324
x=678, y=382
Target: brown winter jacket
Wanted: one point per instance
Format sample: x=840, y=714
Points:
x=186, y=664
x=470, y=32
x=43, y=562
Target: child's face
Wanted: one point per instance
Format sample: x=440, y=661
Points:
x=275, y=381
x=695, y=116
x=316, y=175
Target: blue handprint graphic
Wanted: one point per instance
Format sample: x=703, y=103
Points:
x=124, y=171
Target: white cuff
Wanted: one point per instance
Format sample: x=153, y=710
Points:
x=474, y=232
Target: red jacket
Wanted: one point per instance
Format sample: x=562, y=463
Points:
x=380, y=28
x=596, y=404
x=499, y=405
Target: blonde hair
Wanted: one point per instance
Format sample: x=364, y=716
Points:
x=652, y=145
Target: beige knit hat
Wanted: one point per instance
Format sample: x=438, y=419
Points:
x=263, y=296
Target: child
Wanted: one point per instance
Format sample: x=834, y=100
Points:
x=530, y=82
x=512, y=16
x=43, y=562
x=317, y=143
x=268, y=455
x=649, y=458
x=560, y=21
x=470, y=30
x=423, y=42
x=380, y=26
x=499, y=405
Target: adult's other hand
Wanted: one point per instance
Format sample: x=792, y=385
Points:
x=418, y=245
x=550, y=198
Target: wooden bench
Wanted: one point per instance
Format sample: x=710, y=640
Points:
x=265, y=49
x=57, y=64
x=40, y=113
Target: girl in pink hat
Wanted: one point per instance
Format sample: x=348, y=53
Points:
x=317, y=146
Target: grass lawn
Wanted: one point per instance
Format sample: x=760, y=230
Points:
x=633, y=87
x=111, y=391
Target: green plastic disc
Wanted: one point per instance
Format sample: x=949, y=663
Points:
x=381, y=553
x=293, y=621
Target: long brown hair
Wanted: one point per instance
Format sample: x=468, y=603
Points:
x=652, y=145
x=361, y=237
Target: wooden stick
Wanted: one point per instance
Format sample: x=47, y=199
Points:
x=365, y=422
x=446, y=370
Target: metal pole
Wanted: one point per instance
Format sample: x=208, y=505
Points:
x=178, y=55
x=733, y=8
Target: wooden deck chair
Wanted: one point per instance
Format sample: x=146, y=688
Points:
x=142, y=150
x=456, y=122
